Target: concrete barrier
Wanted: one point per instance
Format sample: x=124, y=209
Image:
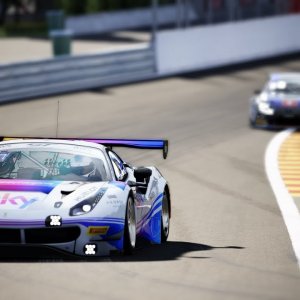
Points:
x=120, y=20
x=211, y=46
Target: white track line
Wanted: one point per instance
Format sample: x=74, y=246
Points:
x=285, y=201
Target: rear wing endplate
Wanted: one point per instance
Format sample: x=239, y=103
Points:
x=129, y=143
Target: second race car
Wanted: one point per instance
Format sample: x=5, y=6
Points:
x=278, y=104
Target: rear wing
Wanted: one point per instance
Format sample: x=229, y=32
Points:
x=128, y=143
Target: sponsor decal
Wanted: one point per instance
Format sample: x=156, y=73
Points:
x=90, y=249
x=89, y=192
x=290, y=103
x=22, y=185
x=97, y=230
x=53, y=221
x=20, y=201
x=114, y=202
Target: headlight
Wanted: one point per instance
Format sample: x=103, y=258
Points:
x=263, y=97
x=263, y=104
x=265, y=108
x=88, y=204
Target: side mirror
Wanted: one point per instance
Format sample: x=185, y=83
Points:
x=142, y=174
x=136, y=184
x=257, y=92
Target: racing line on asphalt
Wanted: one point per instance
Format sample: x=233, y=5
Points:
x=282, y=164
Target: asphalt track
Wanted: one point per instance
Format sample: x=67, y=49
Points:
x=228, y=239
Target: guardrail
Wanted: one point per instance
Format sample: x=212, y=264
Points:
x=74, y=73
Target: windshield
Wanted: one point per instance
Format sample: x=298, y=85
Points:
x=53, y=162
x=284, y=87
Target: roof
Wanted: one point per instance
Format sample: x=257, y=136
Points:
x=55, y=141
x=287, y=76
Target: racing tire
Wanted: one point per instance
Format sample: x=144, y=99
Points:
x=165, y=218
x=253, y=118
x=130, y=228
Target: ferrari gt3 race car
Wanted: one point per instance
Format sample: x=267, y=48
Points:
x=278, y=104
x=79, y=196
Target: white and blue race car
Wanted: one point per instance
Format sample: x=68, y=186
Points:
x=79, y=196
x=278, y=103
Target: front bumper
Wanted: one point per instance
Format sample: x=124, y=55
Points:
x=72, y=236
x=282, y=118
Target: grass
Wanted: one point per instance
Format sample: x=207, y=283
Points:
x=22, y=29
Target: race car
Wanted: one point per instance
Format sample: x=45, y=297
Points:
x=278, y=104
x=80, y=197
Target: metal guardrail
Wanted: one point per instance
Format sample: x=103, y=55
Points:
x=74, y=73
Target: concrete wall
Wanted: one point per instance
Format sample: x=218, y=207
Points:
x=120, y=20
x=228, y=43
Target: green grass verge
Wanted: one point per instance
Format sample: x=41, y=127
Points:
x=22, y=29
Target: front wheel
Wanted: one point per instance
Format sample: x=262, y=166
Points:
x=165, y=218
x=252, y=119
x=130, y=227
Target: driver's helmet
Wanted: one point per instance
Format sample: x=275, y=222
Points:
x=81, y=165
x=7, y=161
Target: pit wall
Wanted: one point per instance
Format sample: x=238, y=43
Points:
x=205, y=47
x=123, y=20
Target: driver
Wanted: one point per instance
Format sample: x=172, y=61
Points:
x=80, y=165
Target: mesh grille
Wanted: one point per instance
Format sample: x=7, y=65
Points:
x=51, y=235
x=40, y=235
x=10, y=236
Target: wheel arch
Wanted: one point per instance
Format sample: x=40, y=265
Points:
x=129, y=194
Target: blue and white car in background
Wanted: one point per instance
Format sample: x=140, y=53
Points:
x=80, y=197
x=278, y=104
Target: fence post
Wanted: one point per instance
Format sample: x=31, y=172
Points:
x=154, y=18
x=186, y=13
x=231, y=5
x=178, y=13
x=258, y=7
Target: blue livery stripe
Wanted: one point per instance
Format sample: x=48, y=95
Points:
x=156, y=204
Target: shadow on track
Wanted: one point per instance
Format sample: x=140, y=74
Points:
x=144, y=252
x=169, y=251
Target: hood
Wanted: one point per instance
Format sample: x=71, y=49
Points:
x=285, y=100
x=21, y=196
